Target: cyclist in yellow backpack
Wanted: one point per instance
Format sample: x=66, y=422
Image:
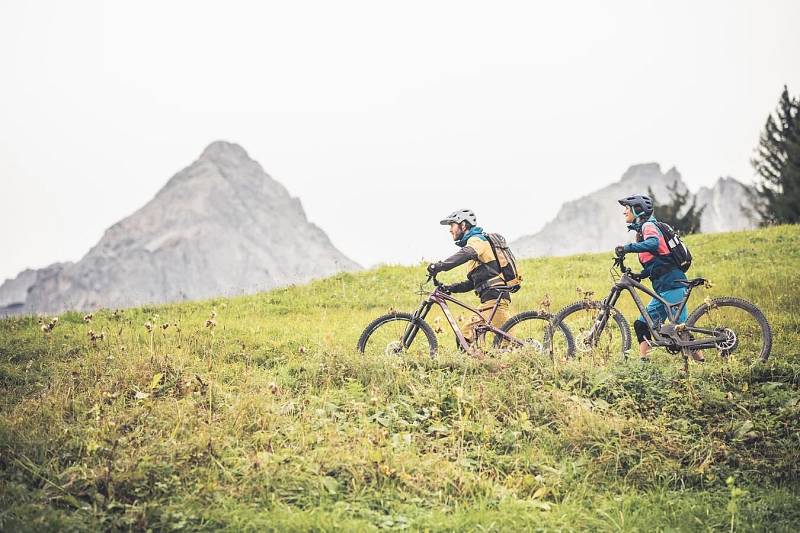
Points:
x=483, y=269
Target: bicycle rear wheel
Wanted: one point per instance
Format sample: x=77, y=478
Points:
x=581, y=318
x=534, y=330
x=747, y=333
x=383, y=336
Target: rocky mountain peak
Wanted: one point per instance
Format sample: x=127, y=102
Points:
x=224, y=151
x=641, y=170
x=598, y=216
x=220, y=226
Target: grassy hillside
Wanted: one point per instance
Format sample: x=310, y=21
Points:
x=256, y=413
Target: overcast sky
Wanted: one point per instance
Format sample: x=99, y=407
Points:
x=381, y=117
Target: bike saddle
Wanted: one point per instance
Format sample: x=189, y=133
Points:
x=691, y=282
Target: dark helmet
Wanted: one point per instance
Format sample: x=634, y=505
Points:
x=641, y=205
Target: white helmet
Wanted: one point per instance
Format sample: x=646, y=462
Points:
x=462, y=215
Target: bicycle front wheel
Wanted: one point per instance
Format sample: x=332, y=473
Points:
x=385, y=335
x=745, y=329
x=583, y=320
x=533, y=330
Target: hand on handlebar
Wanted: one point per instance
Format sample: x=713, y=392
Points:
x=432, y=277
x=619, y=261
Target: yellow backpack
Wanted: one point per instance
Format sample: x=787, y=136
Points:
x=505, y=258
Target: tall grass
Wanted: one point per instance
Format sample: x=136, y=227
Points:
x=257, y=413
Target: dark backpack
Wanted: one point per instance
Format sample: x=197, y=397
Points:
x=678, y=250
x=506, y=261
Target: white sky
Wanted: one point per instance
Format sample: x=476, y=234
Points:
x=382, y=117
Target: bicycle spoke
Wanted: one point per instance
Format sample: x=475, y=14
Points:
x=744, y=336
x=582, y=321
x=385, y=339
x=531, y=333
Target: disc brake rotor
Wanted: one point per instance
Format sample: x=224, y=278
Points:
x=393, y=348
x=582, y=343
x=533, y=343
x=729, y=343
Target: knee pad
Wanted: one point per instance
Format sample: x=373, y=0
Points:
x=642, y=331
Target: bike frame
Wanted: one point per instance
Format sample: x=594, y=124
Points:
x=440, y=298
x=667, y=335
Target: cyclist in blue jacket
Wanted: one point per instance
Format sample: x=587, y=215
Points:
x=657, y=265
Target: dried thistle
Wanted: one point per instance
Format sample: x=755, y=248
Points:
x=148, y=326
x=211, y=323
x=48, y=327
x=87, y=318
x=165, y=325
x=546, y=302
x=584, y=294
x=94, y=337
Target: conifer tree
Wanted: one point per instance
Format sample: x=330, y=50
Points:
x=777, y=161
x=679, y=212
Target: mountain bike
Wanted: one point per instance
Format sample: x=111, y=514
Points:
x=395, y=332
x=728, y=325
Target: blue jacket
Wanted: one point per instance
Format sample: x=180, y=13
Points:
x=652, y=251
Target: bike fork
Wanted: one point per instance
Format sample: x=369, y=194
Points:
x=411, y=331
x=602, y=319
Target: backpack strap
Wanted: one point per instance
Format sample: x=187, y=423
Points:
x=658, y=224
x=496, y=258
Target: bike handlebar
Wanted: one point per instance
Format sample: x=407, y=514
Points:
x=619, y=261
x=436, y=282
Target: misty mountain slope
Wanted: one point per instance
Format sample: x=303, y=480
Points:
x=594, y=222
x=221, y=226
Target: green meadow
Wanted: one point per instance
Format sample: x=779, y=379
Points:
x=257, y=413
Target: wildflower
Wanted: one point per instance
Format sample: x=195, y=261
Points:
x=302, y=349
